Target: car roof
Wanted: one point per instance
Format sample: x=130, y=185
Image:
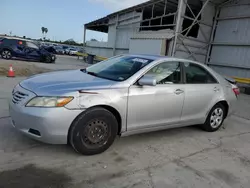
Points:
x=146, y=56
x=160, y=57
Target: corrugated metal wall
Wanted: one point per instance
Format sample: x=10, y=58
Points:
x=125, y=29
x=102, y=49
x=119, y=37
x=230, y=53
x=145, y=46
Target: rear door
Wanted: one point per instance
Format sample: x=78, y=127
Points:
x=201, y=92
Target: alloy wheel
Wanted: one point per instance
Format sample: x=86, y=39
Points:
x=6, y=54
x=216, y=118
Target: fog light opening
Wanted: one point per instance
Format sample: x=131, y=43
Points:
x=35, y=132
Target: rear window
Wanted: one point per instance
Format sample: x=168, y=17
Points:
x=13, y=41
x=9, y=41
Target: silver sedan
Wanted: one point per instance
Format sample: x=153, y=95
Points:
x=123, y=95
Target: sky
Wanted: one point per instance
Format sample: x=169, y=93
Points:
x=63, y=18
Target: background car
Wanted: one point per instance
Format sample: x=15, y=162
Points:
x=59, y=50
x=66, y=51
x=50, y=49
x=24, y=49
x=73, y=51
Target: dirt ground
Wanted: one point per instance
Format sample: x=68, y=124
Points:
x=29, y=68
x=21, y=68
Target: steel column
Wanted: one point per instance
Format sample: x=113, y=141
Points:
x=84, y=36
x=178, y=26
x=212, y=34
x=116, y=25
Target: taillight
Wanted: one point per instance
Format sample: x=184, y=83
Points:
x=236, y=91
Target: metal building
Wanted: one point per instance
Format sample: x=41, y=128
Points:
x=215, y=32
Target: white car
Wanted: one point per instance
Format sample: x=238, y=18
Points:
x=72, y=51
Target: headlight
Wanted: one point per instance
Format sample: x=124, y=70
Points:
x=49, y=101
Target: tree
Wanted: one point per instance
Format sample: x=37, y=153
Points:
x=43, y=30
x=70, y=42
x=46, y=31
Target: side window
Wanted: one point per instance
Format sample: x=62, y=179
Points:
x=166, y=73
x=31, y=45
x=196, y=74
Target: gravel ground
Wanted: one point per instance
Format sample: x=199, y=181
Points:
x=29, y=68
x=21, y=68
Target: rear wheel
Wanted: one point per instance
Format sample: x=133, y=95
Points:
x=215, y=118
x=6, y=54
x=93, y=132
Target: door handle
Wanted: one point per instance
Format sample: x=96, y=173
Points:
x=216, y=89
x=178, y=91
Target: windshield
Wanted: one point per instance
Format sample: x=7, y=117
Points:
x=118, y=68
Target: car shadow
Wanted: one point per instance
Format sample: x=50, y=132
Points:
x=31, y=176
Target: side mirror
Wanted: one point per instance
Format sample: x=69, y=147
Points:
x=147, y=81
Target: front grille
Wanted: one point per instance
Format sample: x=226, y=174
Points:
x=18, y=96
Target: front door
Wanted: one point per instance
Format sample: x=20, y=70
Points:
x=19, y=49
x=159, y=105
x=32, y=51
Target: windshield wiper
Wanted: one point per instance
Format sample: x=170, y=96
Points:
x=83, y=70
x=97, y=75
x=92, y=73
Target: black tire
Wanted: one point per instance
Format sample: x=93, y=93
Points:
x=48, y=59
x=6, y=54
x=215, y=118
x=96, y=123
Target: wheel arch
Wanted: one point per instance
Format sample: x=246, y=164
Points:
x=107, y=107
x=6, y=48
x=224, y=103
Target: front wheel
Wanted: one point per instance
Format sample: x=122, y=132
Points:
x=215, y=118
x=6, y=54
x=93, y=132
x=48, y=59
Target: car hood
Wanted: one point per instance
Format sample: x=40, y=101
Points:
x=62, y=82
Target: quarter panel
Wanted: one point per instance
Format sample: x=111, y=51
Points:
x=199, y=99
